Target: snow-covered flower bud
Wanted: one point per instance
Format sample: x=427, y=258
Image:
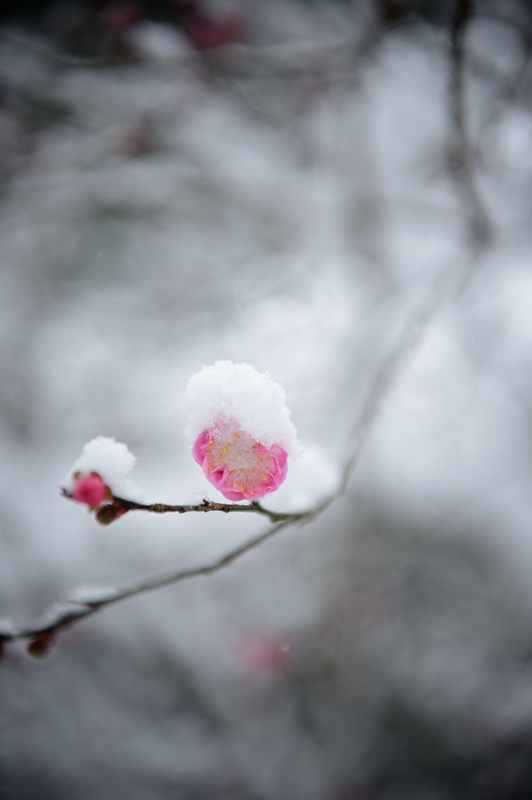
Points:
x=240, y=429
x=100, y=472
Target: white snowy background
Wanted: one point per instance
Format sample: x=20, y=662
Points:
x=290, y=205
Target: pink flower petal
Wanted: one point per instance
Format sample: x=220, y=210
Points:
x=236, y=464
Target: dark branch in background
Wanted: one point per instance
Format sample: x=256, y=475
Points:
x=462, y=151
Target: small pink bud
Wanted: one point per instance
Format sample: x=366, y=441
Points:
x=206, y=32
x=90, y=490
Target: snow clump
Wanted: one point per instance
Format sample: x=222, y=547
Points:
x=240, y=429
x=109, y=460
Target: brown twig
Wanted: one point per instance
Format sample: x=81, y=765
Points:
x=205, y=506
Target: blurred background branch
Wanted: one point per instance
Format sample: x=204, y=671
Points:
x=463, y=155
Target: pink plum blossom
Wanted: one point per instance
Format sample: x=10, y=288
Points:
x=239, y=466
x=90, y=489
x=240, y=429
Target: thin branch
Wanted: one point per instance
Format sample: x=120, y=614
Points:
x=42, y=633
x=205, y=506
x=121, y=503
x=462, y=150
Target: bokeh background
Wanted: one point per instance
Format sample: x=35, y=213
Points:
x=337, y=192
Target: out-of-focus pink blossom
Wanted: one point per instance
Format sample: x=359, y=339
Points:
x=236, y=464
x=209, y=34
x=266, y=653
x=90, y=489
x=206, y=31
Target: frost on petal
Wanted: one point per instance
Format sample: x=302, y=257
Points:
x=111, y=461
x=240, y=429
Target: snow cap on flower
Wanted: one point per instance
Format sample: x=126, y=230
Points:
x=240, y=392
x=108, y=460
x=240, y=429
